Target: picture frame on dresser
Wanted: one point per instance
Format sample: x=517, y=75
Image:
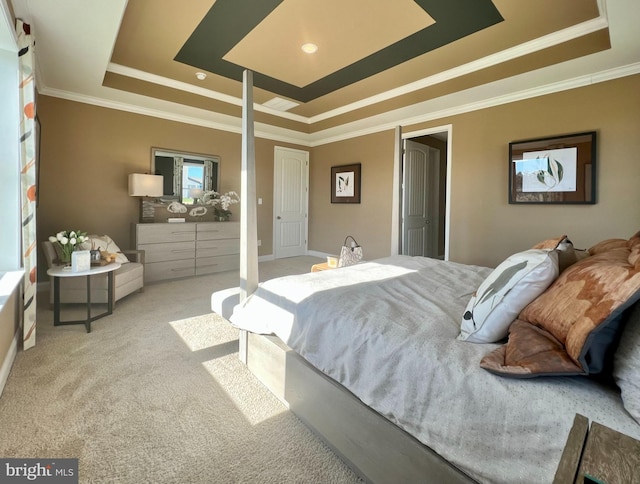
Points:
x=553, y=170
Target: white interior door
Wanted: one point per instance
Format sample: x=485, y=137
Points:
x=291, y=181
x=421, y=195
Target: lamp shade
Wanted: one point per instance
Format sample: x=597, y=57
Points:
x=196, y=193
x=142, y=185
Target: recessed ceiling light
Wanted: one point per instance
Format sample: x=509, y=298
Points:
x=201, y=76
x=309, y=48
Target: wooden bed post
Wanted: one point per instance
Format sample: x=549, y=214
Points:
x=248, y=209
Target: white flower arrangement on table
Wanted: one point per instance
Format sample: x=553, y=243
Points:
x=220, y=202
x=68, y=241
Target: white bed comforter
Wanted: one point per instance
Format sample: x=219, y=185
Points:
x=387, y=329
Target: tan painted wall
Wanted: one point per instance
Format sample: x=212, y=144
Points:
x=87, y=153
x=369, y=222
x=484, y=227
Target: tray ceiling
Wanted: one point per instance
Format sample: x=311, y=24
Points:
x=374, y=56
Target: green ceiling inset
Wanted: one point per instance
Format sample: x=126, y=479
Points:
x=229, y=21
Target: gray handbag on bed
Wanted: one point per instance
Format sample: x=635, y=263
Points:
x=350, y=254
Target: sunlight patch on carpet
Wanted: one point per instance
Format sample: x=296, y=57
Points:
x=210, y=331
x=204, y=331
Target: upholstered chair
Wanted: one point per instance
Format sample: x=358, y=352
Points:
x=127, y=279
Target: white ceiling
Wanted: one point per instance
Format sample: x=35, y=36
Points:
x=75, y=39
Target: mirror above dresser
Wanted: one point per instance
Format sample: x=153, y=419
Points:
x=185, y=174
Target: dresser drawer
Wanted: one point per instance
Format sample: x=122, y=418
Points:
x=159, y=233
x=209, y=265
x=158, y=271
x=218, y=230
x=176, y=250
x=211, y=248
x=168, y=251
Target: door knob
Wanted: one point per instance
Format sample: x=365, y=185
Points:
x=278, y=217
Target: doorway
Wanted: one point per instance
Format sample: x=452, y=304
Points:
x=424, y=193
x=290, y=201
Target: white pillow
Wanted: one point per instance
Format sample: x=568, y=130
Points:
x=105, y=243
x=512, y=285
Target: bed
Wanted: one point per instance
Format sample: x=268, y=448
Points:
x=374, y=357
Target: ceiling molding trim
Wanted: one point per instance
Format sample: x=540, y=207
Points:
x=374, y=124
x=199, y=91
x=381, y=123
x=172, y=83
x=226, y=123
x=530, y=47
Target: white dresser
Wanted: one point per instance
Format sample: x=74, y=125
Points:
x=187, y=249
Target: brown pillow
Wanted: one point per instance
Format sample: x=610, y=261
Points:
x=582, y=311
x=607, y=245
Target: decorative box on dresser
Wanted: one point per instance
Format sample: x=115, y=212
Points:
x=174, y=250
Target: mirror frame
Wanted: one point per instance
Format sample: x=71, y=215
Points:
x=211, y=180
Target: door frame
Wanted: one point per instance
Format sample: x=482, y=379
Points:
x=396, y=227
x=306, y=198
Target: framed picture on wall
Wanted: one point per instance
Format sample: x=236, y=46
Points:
x=560, y=170
x=345, y=183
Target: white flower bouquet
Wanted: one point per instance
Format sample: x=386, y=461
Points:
x=66, y=242
x=220, y=202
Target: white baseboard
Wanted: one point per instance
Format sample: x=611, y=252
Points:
x=8, y=360
x=314, y=253
x=322, y=255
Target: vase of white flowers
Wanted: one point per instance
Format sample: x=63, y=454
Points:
x=221, y=203
x=66, y=242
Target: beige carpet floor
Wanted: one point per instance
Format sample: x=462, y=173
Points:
x=156, y=393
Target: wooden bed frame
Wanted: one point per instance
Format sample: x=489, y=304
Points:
x=376, y=449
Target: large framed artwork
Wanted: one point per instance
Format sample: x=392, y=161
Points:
x=345, y=183
x=560, y=169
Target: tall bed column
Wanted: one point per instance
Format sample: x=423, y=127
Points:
x=248, y=209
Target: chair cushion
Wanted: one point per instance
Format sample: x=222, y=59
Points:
x=105, y=243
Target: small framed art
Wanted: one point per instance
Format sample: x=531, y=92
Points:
x=345, y=183
x=560, y=169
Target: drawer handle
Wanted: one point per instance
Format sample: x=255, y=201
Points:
x=177, y=251
x=207, y=265
x=181, y=232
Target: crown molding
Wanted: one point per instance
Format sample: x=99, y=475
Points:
x=217, y=121
x=200, y=91
x=403, y=116
x=371, y=125
x=526, y=48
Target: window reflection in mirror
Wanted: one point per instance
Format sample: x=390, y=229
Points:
x=186, y=175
